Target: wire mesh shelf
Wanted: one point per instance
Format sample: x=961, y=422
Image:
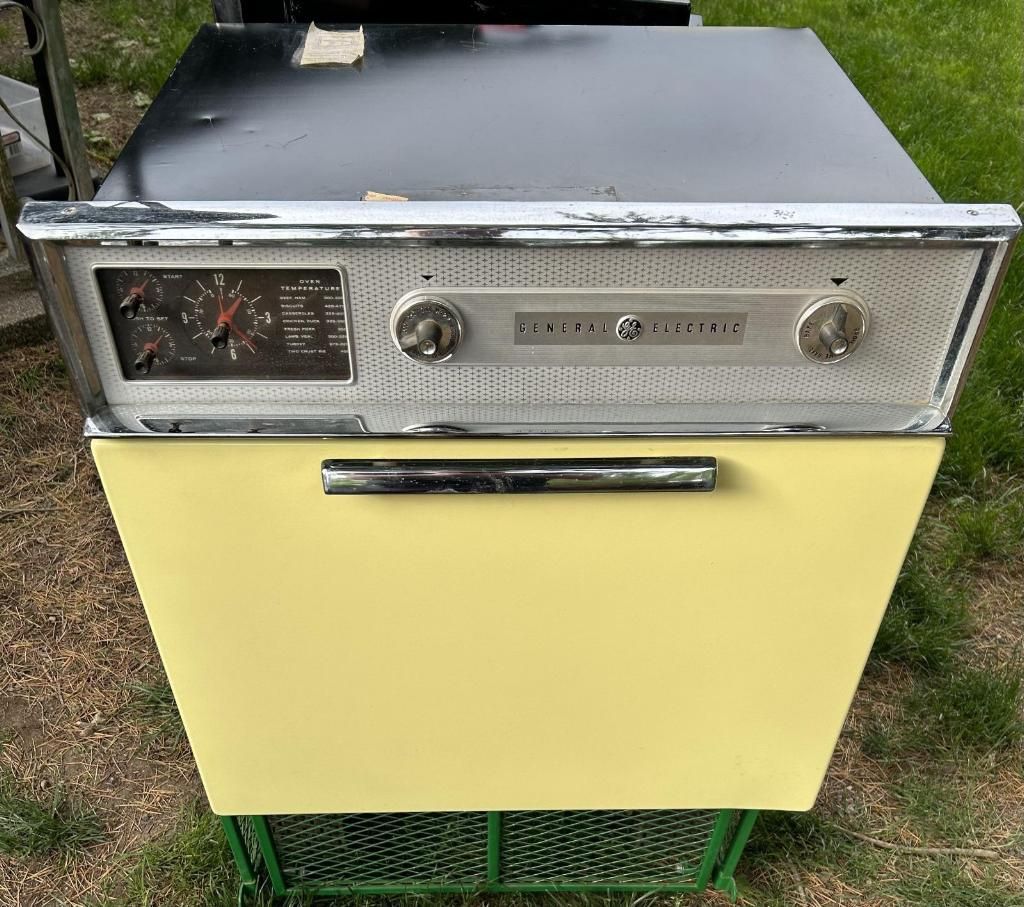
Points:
x=465, y=852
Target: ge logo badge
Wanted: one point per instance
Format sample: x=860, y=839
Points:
x=628, y=328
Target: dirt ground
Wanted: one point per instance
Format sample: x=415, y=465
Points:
x=75, y=642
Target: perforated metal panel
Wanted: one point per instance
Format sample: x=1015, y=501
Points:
x=915, y=294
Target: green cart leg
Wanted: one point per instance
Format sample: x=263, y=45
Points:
x=714, y=846
x=724, y=880
x=269, y=854
x=248, y=882
x=493, y=849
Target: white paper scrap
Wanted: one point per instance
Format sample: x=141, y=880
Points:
x=332, y=48
x=371, y=196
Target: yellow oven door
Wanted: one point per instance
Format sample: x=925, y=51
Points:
x=369, y=651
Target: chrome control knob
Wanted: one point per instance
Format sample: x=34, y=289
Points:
x=130, y=305
x=832, y=333
x=830, y=329
x=429, y=336
x=427, y=329
x=144, y=361
x=220, y=335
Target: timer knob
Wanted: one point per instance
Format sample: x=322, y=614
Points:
x=219, y=335
x=427, y=329
x=153, y=346
x=144, y=361
x=830, y=329
x=130, y=305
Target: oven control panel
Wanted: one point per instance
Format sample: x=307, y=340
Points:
x=461, y=326
x=273, y=334
x=227, y=323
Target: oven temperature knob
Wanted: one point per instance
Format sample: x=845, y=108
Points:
x=830, y=329
x=427, y=329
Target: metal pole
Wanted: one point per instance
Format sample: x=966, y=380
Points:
x=714, y=847
x=62, y=86
x=269, y=854
x=493, y=848
x=9, y=208
x=238, y=850
x=724, y=880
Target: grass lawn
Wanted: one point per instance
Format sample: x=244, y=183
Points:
x=99, y=802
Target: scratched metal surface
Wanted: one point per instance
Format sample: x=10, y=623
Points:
x=547, y=113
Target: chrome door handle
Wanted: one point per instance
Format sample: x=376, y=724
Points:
x=518, y=476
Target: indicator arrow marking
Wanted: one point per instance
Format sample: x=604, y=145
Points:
x=839, y=281
x=427, y=277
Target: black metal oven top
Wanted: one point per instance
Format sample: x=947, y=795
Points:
x=503, y=113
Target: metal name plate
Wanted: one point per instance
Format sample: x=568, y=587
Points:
x=633, y=328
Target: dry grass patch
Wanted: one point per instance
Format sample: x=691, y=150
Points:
x=884, y=784
x=75, y=644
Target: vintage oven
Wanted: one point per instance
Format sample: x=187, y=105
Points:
x=532, y=532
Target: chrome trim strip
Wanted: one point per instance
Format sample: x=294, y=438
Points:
x=500, y=222
x=518, y=476
x=963, y=325
x=349, y=426
x=66, y=321
x=960, y=367
x=98, y=427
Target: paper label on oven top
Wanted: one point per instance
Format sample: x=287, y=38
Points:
x=629, y=328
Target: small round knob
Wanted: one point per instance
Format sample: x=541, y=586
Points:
x=832, y=332
x=427, y=329
x=429, y=336
x=144, y=361
x=830, y=329
x=130, y=305
x=219, y=337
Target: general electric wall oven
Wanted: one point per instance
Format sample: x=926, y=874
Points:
x=515, y=434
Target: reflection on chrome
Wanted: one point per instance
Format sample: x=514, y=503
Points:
x=518, y=476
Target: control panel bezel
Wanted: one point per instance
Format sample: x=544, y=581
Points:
x=933, y=271
x=158, y=263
